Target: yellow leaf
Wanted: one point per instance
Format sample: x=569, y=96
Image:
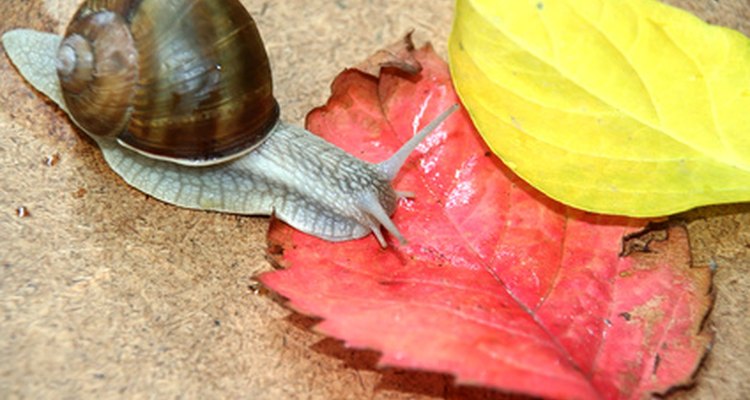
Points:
x=616, y=106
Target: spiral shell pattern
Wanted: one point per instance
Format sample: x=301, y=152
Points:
x=183, y=80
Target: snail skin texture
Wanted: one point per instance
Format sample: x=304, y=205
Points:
x=281, y=169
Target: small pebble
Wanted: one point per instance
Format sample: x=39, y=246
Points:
x=79, y=193
x=23, y=212
x=51, y=160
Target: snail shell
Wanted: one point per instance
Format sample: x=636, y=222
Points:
x=186, y=81
x=178, y=96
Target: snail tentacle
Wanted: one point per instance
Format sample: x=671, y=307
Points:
x=374, y=209
x=393, y=164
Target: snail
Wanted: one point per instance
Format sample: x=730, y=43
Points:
x=178, y=96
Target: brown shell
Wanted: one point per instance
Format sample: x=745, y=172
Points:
x=186, y=80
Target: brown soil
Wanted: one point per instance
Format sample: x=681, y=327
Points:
x=106, y=291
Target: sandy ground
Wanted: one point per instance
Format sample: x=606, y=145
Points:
x=107, y=292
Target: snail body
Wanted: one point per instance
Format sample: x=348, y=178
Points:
x=178, y=96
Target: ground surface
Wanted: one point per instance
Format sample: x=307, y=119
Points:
x=105, y=291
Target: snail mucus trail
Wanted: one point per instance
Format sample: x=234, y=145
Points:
x=178, y=96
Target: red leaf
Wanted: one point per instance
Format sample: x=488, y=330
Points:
x=498, y=284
